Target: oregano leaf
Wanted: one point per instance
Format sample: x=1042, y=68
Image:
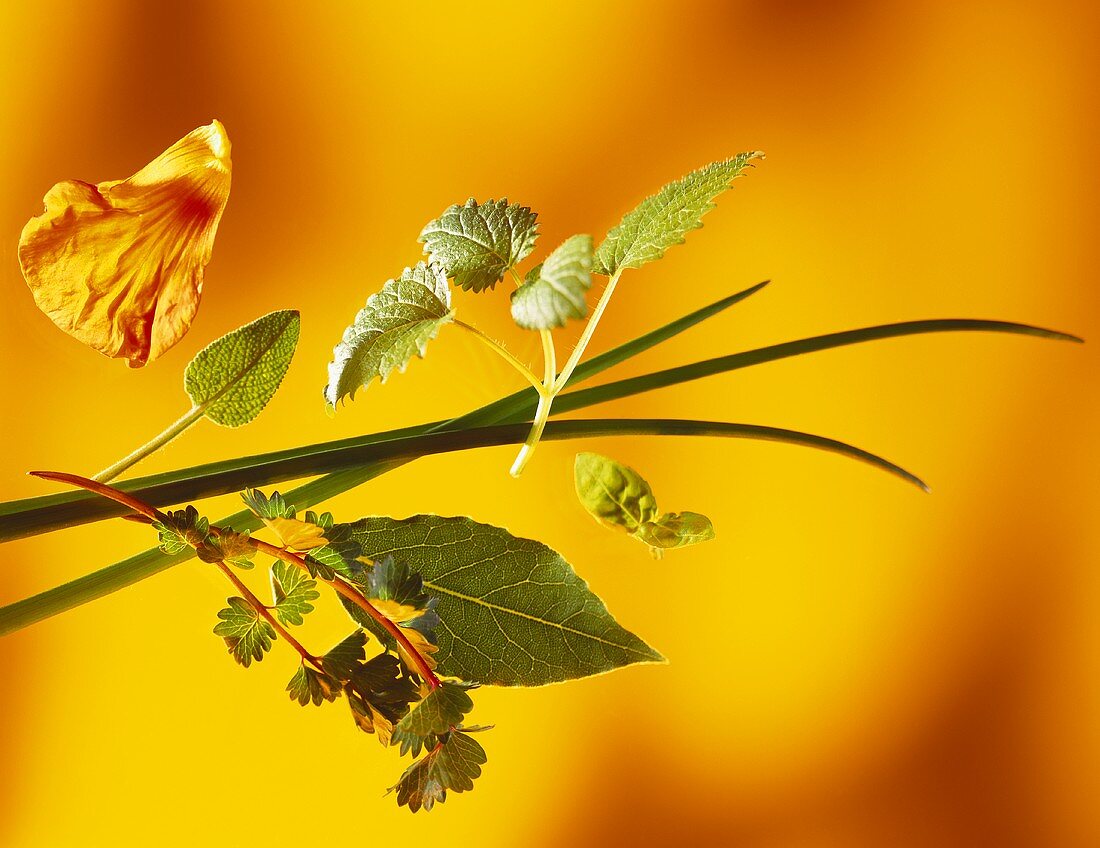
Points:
x=664, y=219
x=451, y=766
x=396, y=324
x=232, y=378
x=442, y=709
x=309, y=685
x=554, y=291
x=477, y=244
x=513, y=612
x=293, y=592
x=617, y=496
x=247, y=635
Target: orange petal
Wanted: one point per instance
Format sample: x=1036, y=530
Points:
x=119, y=265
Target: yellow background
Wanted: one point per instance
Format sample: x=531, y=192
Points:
x=852, y=663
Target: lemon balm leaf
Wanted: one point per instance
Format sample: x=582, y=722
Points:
x=232, y=379
x=664, y=219
x=555, y=291
x=396, y=324
x=477, y=244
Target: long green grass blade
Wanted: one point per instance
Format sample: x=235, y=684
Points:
x=349, y=461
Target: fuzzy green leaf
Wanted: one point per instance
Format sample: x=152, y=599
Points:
x=555, y=291
x=232, y=378
x=308, y=685
x=513, y=611
x=247, y=635
x=441, y=709
x=477, y=244
x=664, y=219
x=450, y=767
x=396, y=324
x=618, y=496
x=293, y=591
x=613, y=494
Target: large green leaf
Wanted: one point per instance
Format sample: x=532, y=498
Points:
x=477, y=244
x=513, y=612
x=232, y=378
x=555, y=291
x=396, y=324
x=665, y=218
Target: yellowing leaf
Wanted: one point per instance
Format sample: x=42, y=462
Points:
x=423, y=647
x=396, y=611
x=119, y=265
x=297, y=535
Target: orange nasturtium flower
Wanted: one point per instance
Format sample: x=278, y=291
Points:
x=119, y=265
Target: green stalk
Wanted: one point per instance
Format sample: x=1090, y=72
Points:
x=156, y=443
x=383, y=457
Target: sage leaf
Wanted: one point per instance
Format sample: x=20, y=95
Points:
x=232, y=378
x=477, y=244
x=555, y=291
x=664, y=219
x=513, y=612
x=246, y=634
x=396, y=324
x=617, y=496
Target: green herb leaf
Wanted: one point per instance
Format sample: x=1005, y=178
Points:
x=441, y=709
x=232, y=378
x=555, y=291
x=396, y=324
x=477, y=244
x=618, y=496
x=613, y=494
x=379, y=694
x=676, y=530
x=248, y=635
x=664, y=219
x=182, y=529
x=292, y=591
x=229, y=547
x=308, y=685
x=344, y=660
x=513, y=611
x=452, y=766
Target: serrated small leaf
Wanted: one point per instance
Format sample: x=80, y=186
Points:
x=441, y=710
x=614, y=494
x=452, y=766
x=293, y=591
x=513, y=611
x=676, y=530
x=344, y=660
x=379, y=693
x=182, y=529
x=247, y=635
x=555, y=291
x=309, y=685
x=396, y=324
x=397, y=592
x=265, y=507
x=664, y=219
x=232, y=378
x=228, y=546
x=477, y=244
x=279, y=517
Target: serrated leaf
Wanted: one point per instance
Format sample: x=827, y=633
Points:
x=441, y=710
x=664, y=219
x=309, y=685
x=279, y=517
x=228, y=546
x=247, y=635
x=396, y=324
x=396, y=592
x=379, y=693
x=293, y=591
x=232, y=378
x=555, y=291
x=182, y=529
x=614, y=494
x=477, y=244
x=452, y=766
x=343, y=660
x=617, y=496
x=676, y=530
x=267, y=507
x=513, y=612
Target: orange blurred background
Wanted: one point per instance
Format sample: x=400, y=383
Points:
x=852, y=663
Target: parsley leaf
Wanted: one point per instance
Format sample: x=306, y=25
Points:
x=308, y=685
x=452, y=766
x=182, y=529
x=441, y=709
x=344, y=660
x=555, y=291
x=477, y=244
x=247, y=635
x=292, y=591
